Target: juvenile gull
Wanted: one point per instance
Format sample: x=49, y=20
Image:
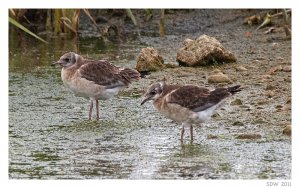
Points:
x=187, y=104
x=94, y=79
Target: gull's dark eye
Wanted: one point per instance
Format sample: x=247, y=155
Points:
x=152, y=92
x=67, y=59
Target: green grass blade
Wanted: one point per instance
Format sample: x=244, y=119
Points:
x=18, y=25
x=131, y=16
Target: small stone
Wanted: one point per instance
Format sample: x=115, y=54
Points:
x=287, y=130
x=238, y=123
x=266, y=76
x=236, y=102
x=270, y=87
x=274, y=45
x=262, y=102
x=249, y=136
x=251, y=20
x=216, y=71
x=259, y=121
x=171, y=65
x=287, y=107
x=270, y=30
x=288, y=79
x=186, y=42
x=241, y=68
x=287, y=68
x=269, y=93
x=289, y=100
x=279, y=68
x=280, y=58
x=274, y=69
x=218, y=78
x=245, y=106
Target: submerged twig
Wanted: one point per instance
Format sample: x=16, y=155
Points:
x=281, y=13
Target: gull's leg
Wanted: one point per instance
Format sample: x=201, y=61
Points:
x=91, y=109
x=191, y=132
x=97, y=109
x=181, y=133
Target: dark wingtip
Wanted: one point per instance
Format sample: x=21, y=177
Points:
x=130, y=74
x=234, y=89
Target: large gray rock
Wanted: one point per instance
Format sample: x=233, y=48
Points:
x=203, y=51
x=149, y=59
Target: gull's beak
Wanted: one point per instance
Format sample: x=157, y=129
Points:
x=145, y=99
x=56, y=63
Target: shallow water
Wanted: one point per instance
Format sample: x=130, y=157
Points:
x=51, y=138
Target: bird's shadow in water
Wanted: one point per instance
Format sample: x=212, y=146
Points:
x=190, y=150
x=193, y=147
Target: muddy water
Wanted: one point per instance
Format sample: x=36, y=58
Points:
x=50, y=137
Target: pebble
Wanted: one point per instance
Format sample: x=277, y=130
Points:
x=287, y=107
x=218, y=78
x=236, y=102
x=287, y=68
x=187, y=41
x=274, y=69
x=288, y=79
x=262, y=102
x=241, y=68
x=289, y=100
x=280, y=58
x=266, y=76
x=274, y=45
x=216, y=71
x=287, y=130
x=259, y=121
x=238, y=123
x=270, y=87
x=269, y=93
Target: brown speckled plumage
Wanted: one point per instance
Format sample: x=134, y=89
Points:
x=187, y=104
x=111, y=76
x=97, y=80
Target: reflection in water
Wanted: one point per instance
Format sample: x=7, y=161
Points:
x=26, y=53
